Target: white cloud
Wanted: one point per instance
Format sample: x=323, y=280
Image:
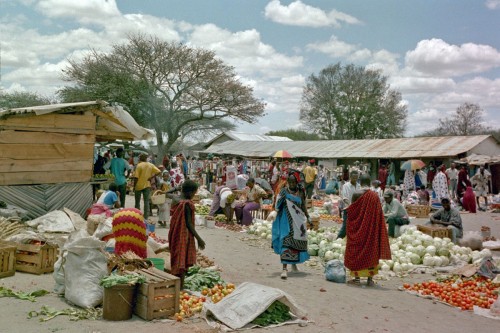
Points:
x=493, y=4
x=85, y=11
x=420, y=85
x=299, y=14
x=245, y=51
x=435, y=57
x=335, y=48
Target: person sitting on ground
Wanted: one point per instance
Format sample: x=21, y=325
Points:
x=367, y=240
x=182, y=233
x=254, y=195
x=469, y=200
x=110, y=197
x=423, y=196
x=129, y=230
x=394, y=213
x=265, y=186
x=448, y=217
x=221, y=202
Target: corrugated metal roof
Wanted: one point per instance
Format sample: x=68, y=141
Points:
x=402, y=148
x=240, y=136
x=121, y=121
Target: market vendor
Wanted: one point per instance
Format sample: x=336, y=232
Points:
x=222, y=200
x=448, y=217
x=254, y=194
x=266, y=187
x=394, y=213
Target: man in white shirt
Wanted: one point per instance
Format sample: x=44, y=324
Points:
x=452, y=173
x=349, y=188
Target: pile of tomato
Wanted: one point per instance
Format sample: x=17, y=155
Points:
x=463, y=293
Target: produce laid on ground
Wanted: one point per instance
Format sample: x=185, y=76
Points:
x=220, y=218
x=31, y=296
x=189, y=305
x=203, y=261
x=158, y=239
x=276, y=313
x=318, y=203
x=461, y=292
x=262, y=229
x=232, y=227
x=201, y=209
x=198, y=278
x=410, y=249
x=46, y=313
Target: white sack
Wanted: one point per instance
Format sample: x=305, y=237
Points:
x=85, y=265
x=104, y=228
x=55, y=221
x=246, y=303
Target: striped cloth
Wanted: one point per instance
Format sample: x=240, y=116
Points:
x=180, y=239
x=367, y=239
x=129, y=230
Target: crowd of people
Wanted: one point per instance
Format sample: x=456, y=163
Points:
x=372, y=210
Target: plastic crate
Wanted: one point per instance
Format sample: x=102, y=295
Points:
x=435, y=231
x=159, y=296
x=7, y=259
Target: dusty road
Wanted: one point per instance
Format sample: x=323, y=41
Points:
x=340, y=308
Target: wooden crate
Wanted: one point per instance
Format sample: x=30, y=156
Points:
x=7, y=259
x=315, y=224
x=419, y=211
x=159, y=296
x=36, y=259
x=435, y=231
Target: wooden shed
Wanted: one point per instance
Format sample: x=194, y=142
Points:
x=47, y=152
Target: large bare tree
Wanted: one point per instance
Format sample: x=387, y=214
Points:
x=467, y=120
x=170, y=87
x=351, y=102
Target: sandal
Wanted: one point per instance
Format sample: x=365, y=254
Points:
x=284, y=274
x=370, y=283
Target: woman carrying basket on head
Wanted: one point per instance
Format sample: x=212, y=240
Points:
x=289, y=236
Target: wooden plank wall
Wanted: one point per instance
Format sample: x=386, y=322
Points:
x=46, y=149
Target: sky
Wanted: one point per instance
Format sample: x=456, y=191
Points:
x=438, y=54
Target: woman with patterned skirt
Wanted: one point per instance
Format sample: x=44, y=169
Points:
x=289, y=232
x=367, y=239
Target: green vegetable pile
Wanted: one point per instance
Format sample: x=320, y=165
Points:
x=74, y=314
x=276, y=313
x=202, y=209
x=198, y=278
x=115, y=279
x=6, y=292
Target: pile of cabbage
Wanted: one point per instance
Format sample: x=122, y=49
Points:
x=262, y=229
x=410, y=249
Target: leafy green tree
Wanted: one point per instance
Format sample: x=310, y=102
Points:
x=295, y=135
x=22, y=99
x=352, y=102
x=170, y=87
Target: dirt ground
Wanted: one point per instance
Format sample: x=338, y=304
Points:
x=331, y=307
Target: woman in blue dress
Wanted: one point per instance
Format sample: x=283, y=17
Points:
x=289, y=232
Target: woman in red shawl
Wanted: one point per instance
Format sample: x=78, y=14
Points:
x=182, y=232
x=463, y=182
x=367, y=239
x=469, y=200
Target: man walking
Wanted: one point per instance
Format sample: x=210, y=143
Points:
x=310, y=173
x=142, y=183
x=481, y=179
x=118, y=168
x=452, y=173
